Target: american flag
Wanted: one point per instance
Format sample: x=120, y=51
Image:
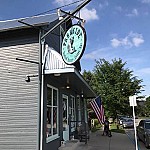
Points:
x=98, y=109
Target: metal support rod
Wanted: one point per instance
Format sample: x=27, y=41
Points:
x=20, y=21
x=33, y=75
x=35, y=27
x=67, y=17
x=42, y=98
x=30, y=61
x=40, y=101
x=72, y=15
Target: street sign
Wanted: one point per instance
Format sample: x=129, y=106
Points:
x=132, y=100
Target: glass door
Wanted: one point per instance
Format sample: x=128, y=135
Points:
x=65, y=118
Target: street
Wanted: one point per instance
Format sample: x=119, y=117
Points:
x=130, y=134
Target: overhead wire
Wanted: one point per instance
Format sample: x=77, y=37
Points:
x=53, y=9
x=59, y=7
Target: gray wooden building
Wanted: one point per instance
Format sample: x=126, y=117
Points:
x=29, y=118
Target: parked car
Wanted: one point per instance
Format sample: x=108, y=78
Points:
x=121, y=120
x=127, y=123
x=143, y=132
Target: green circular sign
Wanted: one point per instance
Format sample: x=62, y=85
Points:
x=73, y=44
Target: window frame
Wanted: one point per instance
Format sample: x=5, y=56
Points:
x=79, y=110
x=53, y=136
x=73, y=112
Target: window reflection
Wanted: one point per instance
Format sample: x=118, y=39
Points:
x=65, y=114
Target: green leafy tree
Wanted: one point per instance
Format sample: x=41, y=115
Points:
x=114, y=83
x=146, y=108
x=88, y=76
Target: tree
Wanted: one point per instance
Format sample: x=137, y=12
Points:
x=114, y=83
x=147, y=106
x=88, y=76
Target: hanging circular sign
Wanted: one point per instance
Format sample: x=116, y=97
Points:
x=73, y=44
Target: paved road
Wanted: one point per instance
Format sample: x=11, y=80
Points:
x=130, y=134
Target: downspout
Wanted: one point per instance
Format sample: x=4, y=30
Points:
x=40, y=94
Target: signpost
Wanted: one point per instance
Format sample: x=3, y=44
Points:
x=132, y=100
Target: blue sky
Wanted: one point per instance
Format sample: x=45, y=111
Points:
x=115, y=29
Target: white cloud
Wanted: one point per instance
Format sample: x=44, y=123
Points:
x=134, y=13
x=85, y=13
x=132, y=39
x=89, y=14
x=63, y=2
x=137, y=41
x=95, y=54
x=115, y=42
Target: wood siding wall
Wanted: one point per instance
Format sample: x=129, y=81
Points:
x=18, y=99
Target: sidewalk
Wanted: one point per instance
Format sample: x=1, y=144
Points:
x=118, y=141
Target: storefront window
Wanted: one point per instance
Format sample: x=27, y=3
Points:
x=73, y=114
x=65, y=112
x=52, y=112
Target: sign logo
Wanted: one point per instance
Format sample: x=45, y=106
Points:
x=73, y=44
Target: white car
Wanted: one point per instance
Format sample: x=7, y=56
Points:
x=128, y=123
x=121, y=120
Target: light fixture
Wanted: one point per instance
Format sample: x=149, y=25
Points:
x=67, y=87
x=27, y=78
x=56, y=74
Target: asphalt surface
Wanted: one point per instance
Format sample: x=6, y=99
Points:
x=130, y=134
x=118, y=141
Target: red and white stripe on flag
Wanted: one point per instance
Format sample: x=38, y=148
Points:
x=98, y=109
